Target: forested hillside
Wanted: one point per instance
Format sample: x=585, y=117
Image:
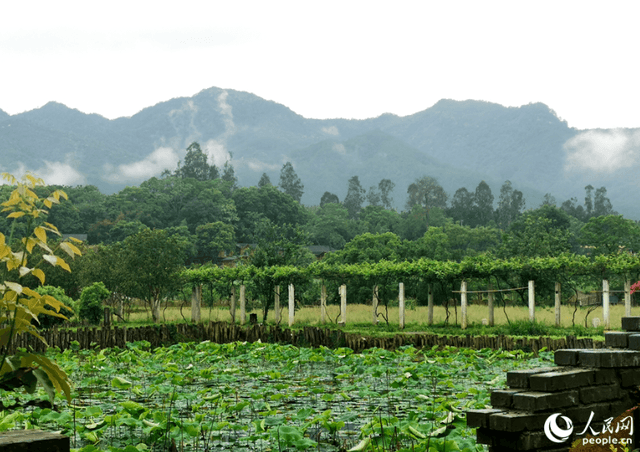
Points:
x=460, y=143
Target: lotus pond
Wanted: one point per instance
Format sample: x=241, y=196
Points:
x=269, y=397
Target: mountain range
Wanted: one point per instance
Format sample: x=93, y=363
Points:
x=460, y=143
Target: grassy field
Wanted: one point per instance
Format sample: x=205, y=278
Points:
x=415, y=319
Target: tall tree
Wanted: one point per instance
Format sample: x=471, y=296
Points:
x=330, y=226
x=484, y=203
x=290, y=183
x=196, y=166
x=214, y=238
x=264, y=181
x=428, y=193
x=328, y=198
x=373, y=196
x=571, y=207
x=463, y=208
x=386, y=187
x=278, y=246
x=153, y=260
x=548, y=200
x=355, y=197
x=588, y=201
x=229, y=175
x=601, y=204
x=610, y=234
x=510, y=205
x=535, y=236
x=255, y=204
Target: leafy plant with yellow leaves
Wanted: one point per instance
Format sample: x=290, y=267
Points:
x=20, y=305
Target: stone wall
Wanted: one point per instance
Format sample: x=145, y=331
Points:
x=587, y=389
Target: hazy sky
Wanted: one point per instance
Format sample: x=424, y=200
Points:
x=350, y=59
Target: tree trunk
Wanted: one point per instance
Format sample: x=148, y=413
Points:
x=155, y=310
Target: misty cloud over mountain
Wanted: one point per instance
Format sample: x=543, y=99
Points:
x=460, y=143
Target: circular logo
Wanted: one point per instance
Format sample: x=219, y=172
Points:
x=553, y=430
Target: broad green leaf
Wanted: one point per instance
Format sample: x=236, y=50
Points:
x=121, y=383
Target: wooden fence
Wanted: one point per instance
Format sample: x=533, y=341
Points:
x=223, y=332
x=196, y=301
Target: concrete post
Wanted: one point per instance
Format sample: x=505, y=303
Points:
x=196, y=302
x=276, y=300
x=605, y=304
x=463, y=304
x=374, y=305
x=430, y=304
x=627, y=298
x=243, y=305
x=491, y=300
x=292, y=304
x=343, y=304
x=558, y=300
x=532, y=302
x=232, y=304
x=401, y=306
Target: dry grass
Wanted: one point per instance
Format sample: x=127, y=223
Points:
x=362, y=314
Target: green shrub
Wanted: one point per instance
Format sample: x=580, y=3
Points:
x=91, y=308
x=47, y=321
x=525, y=328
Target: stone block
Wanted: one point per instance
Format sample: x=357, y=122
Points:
x=629, y=377
x=631, y=323
x=616, y=339
x=503, y=398
x=517, y=421
x=480, y=418
x=566, y=357
x=609, y=358
x=634, y=341
x=26, y=440
x=580, y=414
x=561, y=380
x=604, y=376
x=520, y=378
x=600, y=393
x=541, y=401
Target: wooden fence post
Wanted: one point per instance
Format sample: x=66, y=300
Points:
x=292, y=304
x=605, y=304
x=558, y=300
x=323, y=304
x=627, y=298
x=232, y=304
x=374, y=305
x=196, y=300
x=463, y=304
x=532, y=301
x=343, y=304
x=401, y=305
x=243, y=305
x=430, y=304
x=276, y=301
x=491, y=296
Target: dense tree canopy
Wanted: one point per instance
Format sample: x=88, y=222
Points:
x=202, y=214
